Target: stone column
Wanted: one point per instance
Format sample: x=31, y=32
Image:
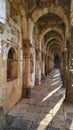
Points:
x=46, y=70
x=61, y=66
x=69, y=90
x=64, y=68
x=3, y=61
x=43, y=66
x=26, y=69
x=38, y=67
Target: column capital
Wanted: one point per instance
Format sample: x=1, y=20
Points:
x=26, y=44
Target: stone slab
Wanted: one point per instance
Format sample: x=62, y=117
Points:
x=20, y=124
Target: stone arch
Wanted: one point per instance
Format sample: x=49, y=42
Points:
x=53, y=34
x=54, y=48
x=50, y=29
x=9, y=47
x=58, y=11
x=57, y=44
x=41, y=12
x=52, y=39
x=53, y=42
x=61, y=41
x=12, y=64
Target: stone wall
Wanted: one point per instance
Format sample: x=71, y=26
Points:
x=11, y=94
x=10, y=37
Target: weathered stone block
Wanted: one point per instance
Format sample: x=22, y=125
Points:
x=9, y=119
x=20, y=124
x=2, y=118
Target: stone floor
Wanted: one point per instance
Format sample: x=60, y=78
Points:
x=45, y=109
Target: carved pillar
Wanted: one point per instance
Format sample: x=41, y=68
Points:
x=61, y=66
x=64, y=68
x=69, y=91
x=43, y=66
x=38, y=67
x=49, y=61
x=26, y=69
x=46, y=65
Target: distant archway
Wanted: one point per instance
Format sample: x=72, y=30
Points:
x=56, y=61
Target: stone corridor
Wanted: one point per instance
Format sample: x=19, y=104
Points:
x=45, y=109
x=36, y=36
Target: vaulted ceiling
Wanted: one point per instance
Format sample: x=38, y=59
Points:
x=56, y=37
x=32, y=4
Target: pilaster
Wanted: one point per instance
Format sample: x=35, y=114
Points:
x=38, y=67
x=43, y=66
x=26, y=68
x=69, y=91
x=61, y=66
x=64, y=73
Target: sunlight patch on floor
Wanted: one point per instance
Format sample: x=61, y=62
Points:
x=49, y=117
x=71, y=126
x=55, y=79
x=56, y=75
x=51, y=93
x=55, y=83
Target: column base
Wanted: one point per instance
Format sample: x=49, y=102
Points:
x=26, y=92
x=37, y=81
x=69, y=96
x=64, y=84
x=42, y=76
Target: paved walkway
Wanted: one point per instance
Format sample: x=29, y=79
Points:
x=45, y=110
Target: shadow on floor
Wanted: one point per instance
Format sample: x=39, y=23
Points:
x=45, y=110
